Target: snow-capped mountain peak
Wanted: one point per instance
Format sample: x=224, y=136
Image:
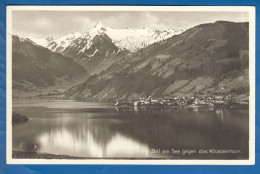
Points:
x=97, y=29
x=42, y=42
x=68, y=37
x=125, y=39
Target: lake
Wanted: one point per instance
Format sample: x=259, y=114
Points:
x=101, y=130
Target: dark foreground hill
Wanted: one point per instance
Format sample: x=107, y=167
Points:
x=207, y=59
x=36, y=69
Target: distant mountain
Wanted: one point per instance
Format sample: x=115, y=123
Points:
x=125, y=39
x=97, y=56
x=101, y=46
x=207, y=59
x=38, y=69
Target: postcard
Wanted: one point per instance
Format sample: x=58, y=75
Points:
x=159, y=85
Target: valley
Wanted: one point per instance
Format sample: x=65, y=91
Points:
x=208, y=59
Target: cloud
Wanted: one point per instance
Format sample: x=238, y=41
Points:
x=57, y=23
x=155, y=21
x=43, y=23
x=120, y=21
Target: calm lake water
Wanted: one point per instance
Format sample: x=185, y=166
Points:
x=101, y=130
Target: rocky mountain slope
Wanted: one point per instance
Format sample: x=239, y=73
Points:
x=36, y=69
x=101, y=46
x=208, y=59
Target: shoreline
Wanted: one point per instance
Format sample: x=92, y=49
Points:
x=36, y=155
x=46, y=156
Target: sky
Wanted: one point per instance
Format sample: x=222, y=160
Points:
x=41, y=24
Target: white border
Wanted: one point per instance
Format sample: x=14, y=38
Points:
x=249, y=9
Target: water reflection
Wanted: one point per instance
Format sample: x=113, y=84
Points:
x=86, y=140
x=109, y=132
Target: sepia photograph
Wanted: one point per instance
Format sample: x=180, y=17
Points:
x=130, y=85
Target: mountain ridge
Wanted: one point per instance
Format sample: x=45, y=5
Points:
x=102, y=46
x=209, y=58
x=123, y=38
x=36, y=69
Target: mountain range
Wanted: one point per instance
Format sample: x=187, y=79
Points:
x=131, y=63
x=101, y=46
x=208, y=59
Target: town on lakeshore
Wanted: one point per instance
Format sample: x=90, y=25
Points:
x=194, y=101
